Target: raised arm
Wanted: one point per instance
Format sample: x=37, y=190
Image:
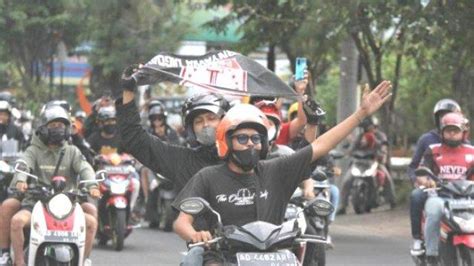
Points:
x=371, y=102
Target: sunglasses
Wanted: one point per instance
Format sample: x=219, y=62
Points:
x=244, y=138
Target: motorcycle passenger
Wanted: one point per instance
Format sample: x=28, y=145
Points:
x=49, y=145
x=246, y=188
x=418, y=196
x=369, y=142
x=8, y=130
x=157, y=115
x=450, y=160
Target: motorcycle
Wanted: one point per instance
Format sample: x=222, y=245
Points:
x=9, y=154
x=315, y=223
x=457, y=223
x=256, y=243
x=58, y=226
x=160, y=213
x=367, y=182
x=114, y=206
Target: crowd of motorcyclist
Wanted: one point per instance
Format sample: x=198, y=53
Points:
x=244, y=159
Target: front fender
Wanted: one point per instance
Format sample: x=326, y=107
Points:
x=467, y=240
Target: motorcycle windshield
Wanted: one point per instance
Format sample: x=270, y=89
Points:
x=261, y=235
x=458, y=188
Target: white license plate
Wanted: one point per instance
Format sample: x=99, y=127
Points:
x=267, y=259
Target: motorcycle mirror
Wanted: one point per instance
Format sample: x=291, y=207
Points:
x=4, y=167
x=22, y=167
x=319, y=175
x=192, y=206
x=423, y=171
x=336, y=154
x=102, y=174
x=196, y=205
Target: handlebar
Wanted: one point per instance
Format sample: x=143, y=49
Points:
x=212, y=241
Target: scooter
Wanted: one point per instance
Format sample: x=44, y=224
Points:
x=255, y=243
x=58, y=225
x=315, y=223
x=9, y=154
x=457, y=223
x=159, y=211
x=114, y=206
x=368, y=182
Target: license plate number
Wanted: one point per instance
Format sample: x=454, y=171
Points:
x=267, y=259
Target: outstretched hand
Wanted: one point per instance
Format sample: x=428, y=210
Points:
x=373, y=100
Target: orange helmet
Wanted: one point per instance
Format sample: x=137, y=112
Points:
x=241, y=116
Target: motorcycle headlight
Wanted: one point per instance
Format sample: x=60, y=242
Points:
x=356, y=171
x=371, y=170
x=60, y=206
x=465, y=225
x=291, y=211
x=322, y=207
x=118, y=188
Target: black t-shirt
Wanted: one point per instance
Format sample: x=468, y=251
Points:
x=103, y=145
x=177, y=163
x=241, y=199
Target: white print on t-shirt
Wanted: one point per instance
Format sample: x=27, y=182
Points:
x=243, y=197
x=452, y=171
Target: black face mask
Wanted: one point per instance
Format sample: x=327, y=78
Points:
x=109, y=129
x=246, y=159
x=56, y=136
x=453, y=143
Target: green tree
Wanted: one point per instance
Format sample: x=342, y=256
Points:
x=125, y=32
x=30, y=31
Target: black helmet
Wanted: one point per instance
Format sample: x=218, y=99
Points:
x=106, y=113
x=444, y=106
x=5, y=106
x=195, y=105
x=157, y=108
x=366, y=123
x=62, y=103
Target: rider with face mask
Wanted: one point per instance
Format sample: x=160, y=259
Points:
x=246, y=188
x=8, y=130
x=450, y=160
x=107, y=139
x=48, y=145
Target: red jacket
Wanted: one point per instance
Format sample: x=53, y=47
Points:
x=450, y=163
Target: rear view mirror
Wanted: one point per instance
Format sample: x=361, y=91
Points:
x=424, y=171
x=22, y=167
x=192, y=206
x=336, y=154
x=99, y=177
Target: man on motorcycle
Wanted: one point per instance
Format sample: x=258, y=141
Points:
x=48, y=149
x=418, y=196
x=370, y=142
x=450, y=160
x=246, y=189
x=157, y=118
x=8, y=130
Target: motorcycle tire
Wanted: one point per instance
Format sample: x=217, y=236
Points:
x=448, y=253
x=466, y=254
x=168, y=217
x=320, y=258
x=360, y=198
x=119, y=228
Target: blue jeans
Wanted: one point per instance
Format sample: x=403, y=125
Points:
x=417, y=204
x=334, y=198
x=433, y=211
x=194, y=257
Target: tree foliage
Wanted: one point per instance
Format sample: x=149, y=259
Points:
x=125, y=32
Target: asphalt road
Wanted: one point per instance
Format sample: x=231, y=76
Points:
x=379, y=238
